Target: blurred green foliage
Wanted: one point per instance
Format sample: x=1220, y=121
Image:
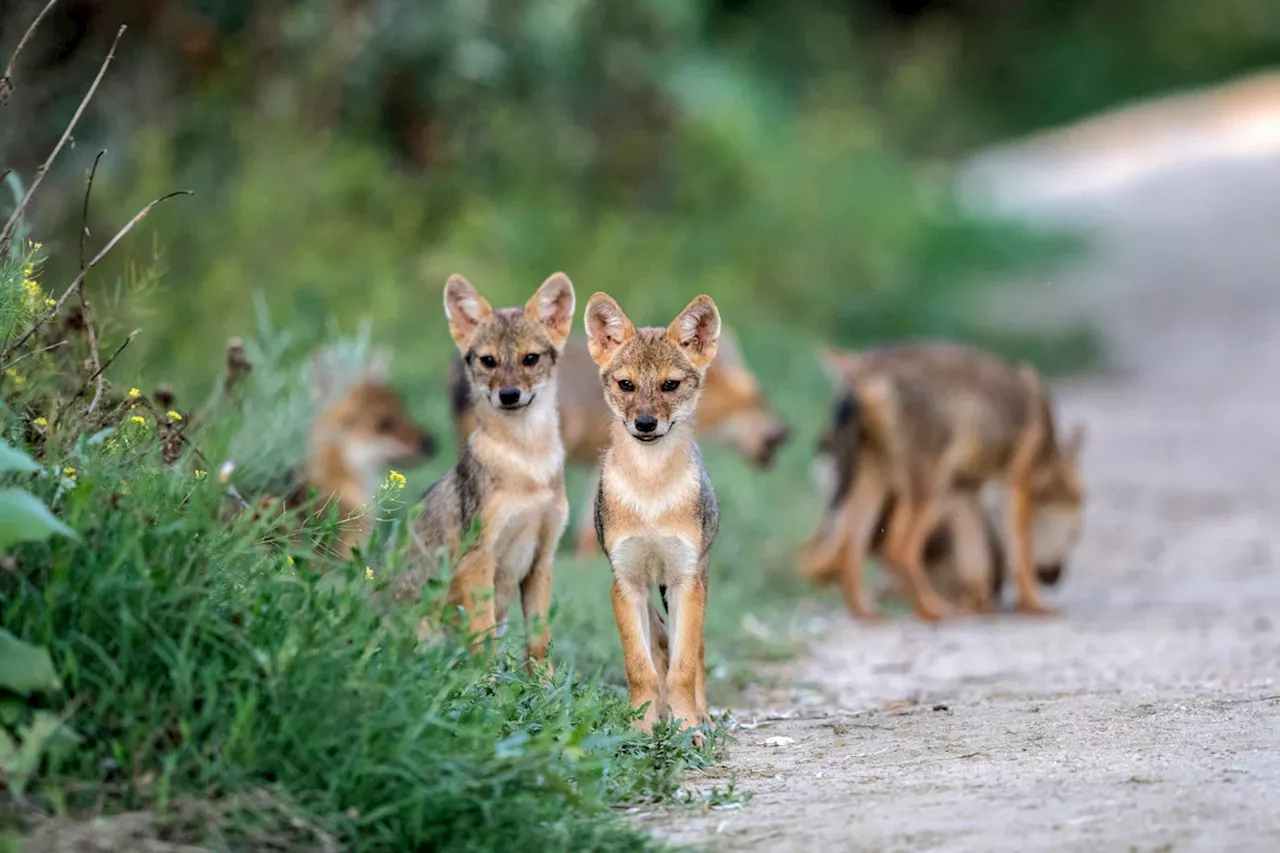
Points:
x=348, y=155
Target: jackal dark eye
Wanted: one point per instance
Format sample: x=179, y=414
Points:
x=626, y=385
x=386, y=425
x=670, y=385
x=530, y=359
x=489, y=361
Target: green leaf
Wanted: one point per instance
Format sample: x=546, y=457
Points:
x=12, y=459
x=23, y=518
x=25, y=668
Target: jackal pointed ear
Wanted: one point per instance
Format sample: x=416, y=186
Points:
x=552, y=306
x=465, y=308
x=838, y=364
x=1075, y=441
x=697, y=330
x=607, y=328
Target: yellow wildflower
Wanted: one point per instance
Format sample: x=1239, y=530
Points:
x=50, y=303
x=396, y=479
x=41, y=422
x=139, y=419
x=70, y=472
x=19, y=381
x=174, y=416
x=11, y=373
x=368, y=573
x=134, y=393
x=289, y=560
x=32, y=288
x=200, y=473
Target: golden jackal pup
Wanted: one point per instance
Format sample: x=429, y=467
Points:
x=933, y=417
x=353, y=443
x=655, y=510
x=510, y=472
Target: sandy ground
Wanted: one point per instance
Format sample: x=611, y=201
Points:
x=1146, y=716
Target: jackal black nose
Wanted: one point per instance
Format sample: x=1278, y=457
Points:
x=646, y=423
x=1049, y=575
x=509, y=396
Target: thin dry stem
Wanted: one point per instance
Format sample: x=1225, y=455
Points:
x=84, y=300
x=38, y=351
x=7, y=234
x=49, y=312
x=98, y=373
x=6, y=81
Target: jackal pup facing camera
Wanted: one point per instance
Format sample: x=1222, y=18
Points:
x=510, y=471
x=655, y=510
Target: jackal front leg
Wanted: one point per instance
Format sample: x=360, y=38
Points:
x=909, y=526
x=1022, y=553
x=631, y=605
x=688, y=601
x=535, y=592
x=471, y=589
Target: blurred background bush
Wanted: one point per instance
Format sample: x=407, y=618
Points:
x=789, y=158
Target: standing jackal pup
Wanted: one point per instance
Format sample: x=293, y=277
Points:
x=510, y=471
x=655, y=510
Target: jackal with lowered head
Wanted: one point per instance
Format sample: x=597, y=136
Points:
x=965, y=557
x=932, y=418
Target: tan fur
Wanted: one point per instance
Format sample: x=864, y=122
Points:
x=933, y=417
x=733, y=409
x=964, y=555
x=655, y=509
x=353, y=443
x=510, y=472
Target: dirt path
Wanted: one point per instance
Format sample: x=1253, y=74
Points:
x=1147, y=716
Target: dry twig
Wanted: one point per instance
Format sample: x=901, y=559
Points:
x=84, y=300
x=6, y=81
x=48, y=312
x=7, y=234
x=42, y=349
x=97, y=373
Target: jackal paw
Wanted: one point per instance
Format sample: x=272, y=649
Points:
x=935, y=612
x=1037, y=609
x=867, y=614
x=651, y=716
x=691, y=720
x=541, y=669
